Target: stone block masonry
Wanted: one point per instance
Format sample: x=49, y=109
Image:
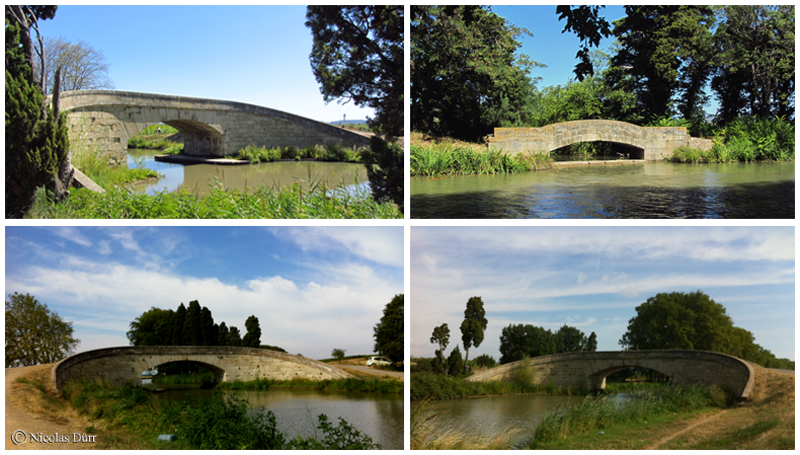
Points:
x=652, y=143
x=106, y=119
x=588, y=370
x=125, y=364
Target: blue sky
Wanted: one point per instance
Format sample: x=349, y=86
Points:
x=548, y=45
x=251, y=54
x=313, y=289
x=593, y=278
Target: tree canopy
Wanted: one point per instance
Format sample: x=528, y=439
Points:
x=34, y=334
x=473, y=326
x=389, y=332
x=465, y=75
x=83, y=66
x=357, y=56
x=253, y=336
x=679, y=320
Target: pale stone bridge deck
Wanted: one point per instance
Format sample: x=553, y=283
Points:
x=648, y=143
x=106, y=119
x=588, y=370
x=125, y=364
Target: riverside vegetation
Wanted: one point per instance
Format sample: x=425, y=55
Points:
x=129, y=417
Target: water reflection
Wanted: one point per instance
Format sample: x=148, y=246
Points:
x=652, y=190
x=296, y=411
x=199, y=178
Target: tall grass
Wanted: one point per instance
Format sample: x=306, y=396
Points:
x=427, y=434
x=328, y=152
x=745, y=139
x=105, y=174
x=448, y=159
x=300, y=200
x=430, y=386
x=600, y=412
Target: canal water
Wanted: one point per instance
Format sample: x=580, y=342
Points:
x=200, y=178
x=649, y=190
x=493, y=415
x=296, y=411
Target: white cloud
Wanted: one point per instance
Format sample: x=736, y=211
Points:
x=382, y=245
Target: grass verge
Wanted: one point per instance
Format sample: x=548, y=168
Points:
x=349, y=385
x=430, y=386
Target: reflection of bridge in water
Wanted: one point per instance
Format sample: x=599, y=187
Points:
x=648, y=143
x=588, y=370
x=106, y=119
x=125, y=364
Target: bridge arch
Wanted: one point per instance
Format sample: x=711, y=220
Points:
x=106, y=119
x=654, y=142
x=122, y=365
x=588, y=370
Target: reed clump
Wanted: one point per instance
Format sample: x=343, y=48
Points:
x=427, y=434
x=438, y=159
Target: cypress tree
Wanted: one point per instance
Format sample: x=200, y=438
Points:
x=253, y=336
x=192, y=330
x=177, y=326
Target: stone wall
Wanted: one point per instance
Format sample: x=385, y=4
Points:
x=654, y=142
x=588, y=370
x=126, y=364
x=106, y=119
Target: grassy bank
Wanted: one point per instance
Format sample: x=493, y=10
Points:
x=745, y=140
x=349, y=385
x=597, y=413
x=297, y=201
x=328, y=152
x=430, y=386
x=131, y=418
x=150, y=138
x=449, y=159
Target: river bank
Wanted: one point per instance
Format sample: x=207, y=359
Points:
x=765, y=422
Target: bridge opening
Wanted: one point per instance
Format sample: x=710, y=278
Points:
x=189, y=373
x=628, y=377
x=598, y=150
x=156, y=137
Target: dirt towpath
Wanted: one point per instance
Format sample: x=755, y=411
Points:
x=24, y=414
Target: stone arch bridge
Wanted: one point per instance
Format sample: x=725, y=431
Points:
x=588, y=370
x=125, y=364
x=106, y=119
x=648, y=143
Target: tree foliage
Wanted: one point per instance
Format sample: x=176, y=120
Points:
x=591, y=343
x=253, y=336
x=37, y=146
x=34, y=334
x=518, y=341
x=338, y=354
x=358, y=56
x=465, y=75
x=570, y=339
x=455, y=364
x=692, y=320
x=389, y=332
x=441, y=337
x=473, y=326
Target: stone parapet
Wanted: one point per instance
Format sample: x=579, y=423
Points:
x=122, y=365
x=649, y=143
x=588, y=370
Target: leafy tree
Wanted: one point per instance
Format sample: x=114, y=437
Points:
x=222, y=335
x=441, y=337
x=208, y=328
x=518, y=341
x=464, y=70
x=590, y=27
x=338, y=354
x=679, y=321
x=37, y=147
x=389, y=331
x=666, y=49
x=177, y=326
x=569, y=339
x=473, y=325
x=358, y=56
x=755, y=50
x=253, y=336
x=485, y=360
x=152, y=328
x=234, y=337
x=83, y=66
x=591, y=343
x=455, y=364
x=34, y=334
x=192, y=330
